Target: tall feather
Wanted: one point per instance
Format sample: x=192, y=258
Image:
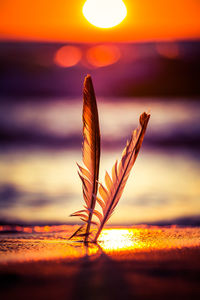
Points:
x=91, y=154
x=115, y=184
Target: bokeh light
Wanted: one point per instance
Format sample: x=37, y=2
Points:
x=168, y=50
x=102, y=55
x=68, y=56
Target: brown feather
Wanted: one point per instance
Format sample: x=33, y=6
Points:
x=91, y=151
x=114, y=186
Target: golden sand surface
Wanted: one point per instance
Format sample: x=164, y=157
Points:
x=118, y=243
x=127, y=263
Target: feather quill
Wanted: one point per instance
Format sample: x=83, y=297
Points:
x=114, y=185
x=91, y=156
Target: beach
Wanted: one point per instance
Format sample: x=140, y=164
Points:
x=128, y=263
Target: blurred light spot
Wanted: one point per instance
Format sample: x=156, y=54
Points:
x=168, y=50
x=28, y=229
x=18, y=228
x=103, y=55
x=68, y=56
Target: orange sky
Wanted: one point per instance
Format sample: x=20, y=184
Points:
x=62, y=20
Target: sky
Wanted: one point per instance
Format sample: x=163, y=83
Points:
x=62, y=20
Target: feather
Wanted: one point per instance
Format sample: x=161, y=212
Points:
x=77, y=232
x=112, y=191
x=91, y=154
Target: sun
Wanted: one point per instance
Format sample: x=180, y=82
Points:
x=104, y=13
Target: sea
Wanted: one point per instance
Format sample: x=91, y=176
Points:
x=41, y=142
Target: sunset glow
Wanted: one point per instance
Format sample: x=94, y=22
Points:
x=104, y=13
x=64, y=20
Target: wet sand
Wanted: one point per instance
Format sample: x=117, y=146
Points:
x=128, y=263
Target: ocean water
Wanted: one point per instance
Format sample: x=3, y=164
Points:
x=41, y=143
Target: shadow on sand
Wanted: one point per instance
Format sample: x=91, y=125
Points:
x=100, y=278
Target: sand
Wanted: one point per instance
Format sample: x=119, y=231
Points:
x=128, y=263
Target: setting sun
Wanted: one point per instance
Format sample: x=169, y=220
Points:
x=104, y=13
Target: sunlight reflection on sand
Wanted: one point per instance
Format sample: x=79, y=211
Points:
x=148, y=239
x=116, y=242
x=117, y=239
